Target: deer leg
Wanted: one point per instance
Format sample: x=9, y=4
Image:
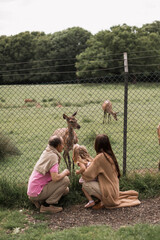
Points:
x=69, y=162
x=109, y=117
x=104, y=116
x=64, y=156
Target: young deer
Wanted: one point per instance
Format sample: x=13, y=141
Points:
x=69, y=137
x=107, y=108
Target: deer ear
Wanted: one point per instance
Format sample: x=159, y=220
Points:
x=74, y=114
x=64, y=116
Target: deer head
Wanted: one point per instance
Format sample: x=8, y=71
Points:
x=71, y=121
x=115, y=115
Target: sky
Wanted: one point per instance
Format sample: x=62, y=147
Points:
x=51, y=16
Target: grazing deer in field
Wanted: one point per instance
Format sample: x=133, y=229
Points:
x=107, y=108
x=69, y=136
x=29, y=100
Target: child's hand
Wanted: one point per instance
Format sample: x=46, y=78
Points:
x=82, y=168
x=77, y=172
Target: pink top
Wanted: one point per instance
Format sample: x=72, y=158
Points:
x=37, y=181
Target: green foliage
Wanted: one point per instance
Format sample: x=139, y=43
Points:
x=7, y=147
x=41, y=58
x=148, y=185
x=63, y=55
x=103, y=54
x=13, y=195
x=75, y=195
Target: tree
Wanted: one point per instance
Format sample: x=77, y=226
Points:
x=65, y=45
x=18, y=53
x=106, y=49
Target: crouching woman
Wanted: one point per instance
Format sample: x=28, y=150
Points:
x=105, y=168
x=46, y=185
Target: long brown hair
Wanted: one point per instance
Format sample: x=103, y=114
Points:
x=102, y=145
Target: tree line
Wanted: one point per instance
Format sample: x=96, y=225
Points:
x=75, y=53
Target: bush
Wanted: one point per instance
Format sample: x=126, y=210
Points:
x=7, y=147
x=147, y=185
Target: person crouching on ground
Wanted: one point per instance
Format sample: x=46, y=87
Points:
x=82, y=157
x=105, y=168
x=46, y=185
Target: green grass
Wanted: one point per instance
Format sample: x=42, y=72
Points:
x=20, y=224
x=30, y=127
x=148, y=185
x=14, y=195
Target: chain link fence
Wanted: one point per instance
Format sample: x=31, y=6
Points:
x=29, y=114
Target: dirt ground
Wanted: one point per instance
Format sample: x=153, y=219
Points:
x=147, y=212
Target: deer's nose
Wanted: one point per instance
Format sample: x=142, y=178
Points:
x=78, y=127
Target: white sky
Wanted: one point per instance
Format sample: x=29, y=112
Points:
x=50, y=16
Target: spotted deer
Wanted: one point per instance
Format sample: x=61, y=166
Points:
x=69, y=137
x=107, y=108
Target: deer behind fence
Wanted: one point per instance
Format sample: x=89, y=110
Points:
x=107, y=108
x=69, y=137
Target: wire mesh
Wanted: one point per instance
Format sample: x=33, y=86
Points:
x=31, y=113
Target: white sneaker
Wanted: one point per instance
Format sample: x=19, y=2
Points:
x=50, y=209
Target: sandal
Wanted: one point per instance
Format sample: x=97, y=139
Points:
x=90, y=204
x=98, y=206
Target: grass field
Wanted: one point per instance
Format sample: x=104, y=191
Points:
x=29, y=127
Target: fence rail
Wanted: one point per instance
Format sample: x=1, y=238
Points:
x=29, y=124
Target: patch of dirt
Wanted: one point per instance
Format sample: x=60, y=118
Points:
x=75, y=216
x=147, y=212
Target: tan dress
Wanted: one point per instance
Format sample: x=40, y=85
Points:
x=106, y=172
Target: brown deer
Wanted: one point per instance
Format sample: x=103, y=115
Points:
x=107, y=108
x=28, y=100
x=69, y=136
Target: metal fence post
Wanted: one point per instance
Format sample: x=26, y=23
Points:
x=125, y=113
